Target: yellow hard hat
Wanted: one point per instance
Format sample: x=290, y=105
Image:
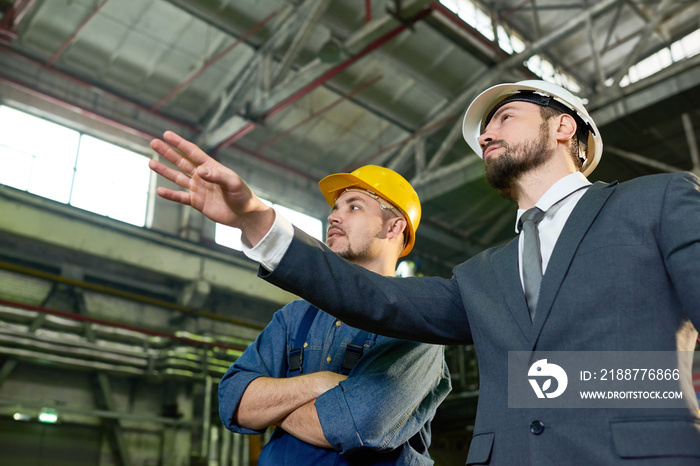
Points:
x=382, y=182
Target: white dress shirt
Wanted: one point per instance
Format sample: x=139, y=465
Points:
x=557, y=203
x=269, y=251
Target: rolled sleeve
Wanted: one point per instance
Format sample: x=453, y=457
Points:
x=265, y=357
x=337, y=421
x=388, y=397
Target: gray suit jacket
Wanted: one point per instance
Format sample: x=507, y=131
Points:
x=623, y=276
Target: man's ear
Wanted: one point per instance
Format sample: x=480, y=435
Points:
x=395, y=226
x=566, y=127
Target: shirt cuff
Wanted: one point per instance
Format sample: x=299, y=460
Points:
x=270, y=250
x=336, y=421
x=231, y=389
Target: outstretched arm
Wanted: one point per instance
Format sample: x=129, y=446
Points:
x=211, y=188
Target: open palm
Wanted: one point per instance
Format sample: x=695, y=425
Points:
x=211, y=188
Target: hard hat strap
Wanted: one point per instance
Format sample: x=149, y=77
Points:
x=582, y=128
x=376, y=197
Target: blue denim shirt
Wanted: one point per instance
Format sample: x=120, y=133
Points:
x=379, y=415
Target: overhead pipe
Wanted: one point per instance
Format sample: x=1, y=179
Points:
x=269, y=161
x=61, y=348
x=13, y=16
x=408, y=138
x=132, y=417
x=123, y=294
x=346, y=64
x=93, y=320
x=459, y=22
x=330, y=74
x=82, y=111
x=208, y=63
x=21, y=9
x=96, y=89
x=70, y=39
x=316, y=114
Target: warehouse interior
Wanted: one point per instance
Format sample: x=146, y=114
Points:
x=119, y=311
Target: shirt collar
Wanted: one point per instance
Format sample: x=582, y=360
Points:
x=557, y=192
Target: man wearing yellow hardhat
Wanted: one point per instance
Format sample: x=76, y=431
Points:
x=339, y=395
x=604, y=270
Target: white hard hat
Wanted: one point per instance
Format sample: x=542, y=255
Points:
x=480, y=109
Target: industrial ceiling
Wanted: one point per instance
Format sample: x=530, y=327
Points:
x=286, y=92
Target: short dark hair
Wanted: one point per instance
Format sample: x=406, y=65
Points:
x=579, y=144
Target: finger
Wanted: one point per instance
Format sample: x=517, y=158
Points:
x=173, y=156
x=176, y=196
x=190, y=150
x=222, y=176
x=168, y=173
x=227, y=179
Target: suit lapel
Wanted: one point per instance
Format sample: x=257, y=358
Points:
x=576, y=226
x=505, y=262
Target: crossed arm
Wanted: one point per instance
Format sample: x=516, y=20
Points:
x=255, y=392
x=287, y=402
x=261, y=398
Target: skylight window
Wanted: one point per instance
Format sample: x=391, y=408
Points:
x=681, y=49
x=111, y=181
x=509, y=42
x=61, y=164
x=39, y=155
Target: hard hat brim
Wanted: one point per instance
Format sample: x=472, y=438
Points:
x=484, y=102
x=332, y=186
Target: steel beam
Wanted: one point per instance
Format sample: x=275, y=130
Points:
x=487, y=78
x=599, y=74
x=692, y=141
x=210, y=61
x=444, y=179
x=642, y=42
x=642, y=160
x=615, y=103
x=311, y=11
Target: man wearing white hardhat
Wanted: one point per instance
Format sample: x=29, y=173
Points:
x=599, y=276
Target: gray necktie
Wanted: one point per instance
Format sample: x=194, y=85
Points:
x=532, y=257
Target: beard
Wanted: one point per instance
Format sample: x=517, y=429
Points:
x=360, y=248
x=503, y=172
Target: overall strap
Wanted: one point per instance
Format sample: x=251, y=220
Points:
x=354, y=351
x=296, y=354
